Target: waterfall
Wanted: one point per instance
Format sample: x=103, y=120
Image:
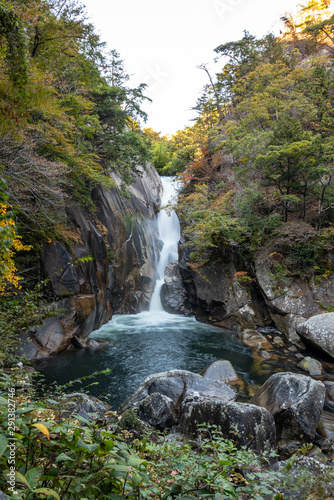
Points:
x=169, y=235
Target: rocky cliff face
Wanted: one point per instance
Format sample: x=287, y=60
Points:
x=222, y=293
x=218, y=297
x=107, y=267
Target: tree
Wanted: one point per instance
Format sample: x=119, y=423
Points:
x=10, y=243
x=294, y=164
x=12, y=31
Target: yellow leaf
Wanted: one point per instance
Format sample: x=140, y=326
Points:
x=43, y=429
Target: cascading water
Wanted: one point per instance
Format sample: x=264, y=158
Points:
x=169, y=235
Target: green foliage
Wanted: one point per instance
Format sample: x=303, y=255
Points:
x=74, y=124
x=269, y=159
x=63, y=457
x=12, y=29
x=18, y=313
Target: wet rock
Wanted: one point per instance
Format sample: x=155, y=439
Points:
x=254, y=339
x=326, y=425
x=94, y=344
x=278, y=341
x=216, y=296
x=173, y=294
x=246, y=424
x=287, y=324
x=296, y=402
x=81, y=343
x=330, y=389
x=78, y=342
x=266, y=330
x=264, y=354
x=49, y=338
x=221, y=370
x=310, y=365
x=158, y=411
x=319, y=330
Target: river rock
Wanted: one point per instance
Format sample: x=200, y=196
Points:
x=45, y=340
x=319, y=330
x=247, y=424
x=287, y=324
x=158, y=411
x=296, y=402
x=221, y=370
x=177, y=385
x=173, y=294
x=326, y=426
x=330, y=392
x=310, y=365
x=254, y=339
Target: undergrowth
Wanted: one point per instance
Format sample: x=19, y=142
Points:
x=47, y=451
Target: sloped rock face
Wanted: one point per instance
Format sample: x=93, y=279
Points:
x=248, y=425
x=216, y=296
x=173, y=294
x=109, y=267
x=296, y=402
x=86, y=406
x=319, y=330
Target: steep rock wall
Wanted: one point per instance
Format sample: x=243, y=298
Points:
x=108, y=266
x=218, y=297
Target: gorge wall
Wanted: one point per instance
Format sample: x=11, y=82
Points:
x=108, y=267
x=222, y=293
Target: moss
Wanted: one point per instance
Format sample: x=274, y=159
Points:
x=130, y=421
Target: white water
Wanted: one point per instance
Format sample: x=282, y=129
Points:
x=169, y=234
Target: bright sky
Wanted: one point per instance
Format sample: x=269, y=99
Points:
x=163, y=41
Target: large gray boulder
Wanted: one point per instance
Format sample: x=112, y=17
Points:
x=221, y=370
x=319, y=330
x=247, y=424
x=296, y=402
x=173, y=294
x=174, y=386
